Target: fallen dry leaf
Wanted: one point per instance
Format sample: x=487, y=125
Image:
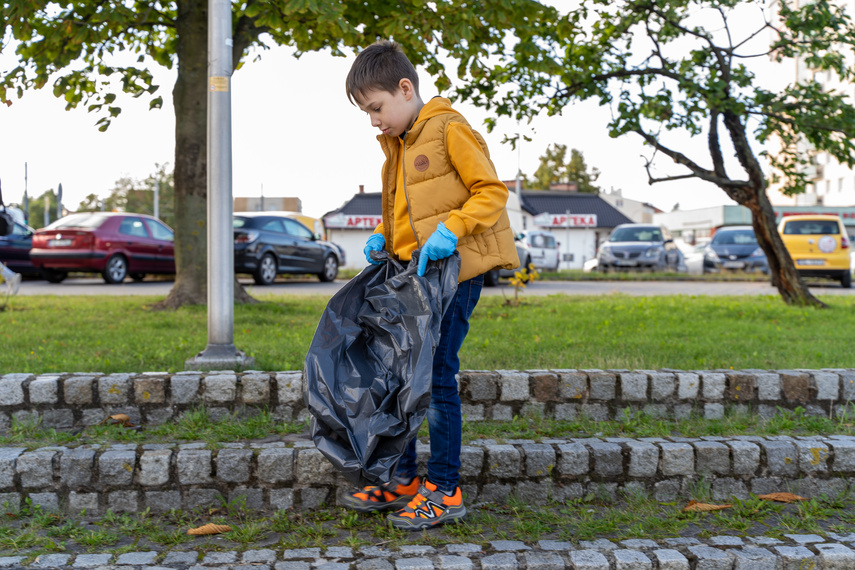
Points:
x=703, y=507
x=210, y=528
x=781, y=497
x=118, y=419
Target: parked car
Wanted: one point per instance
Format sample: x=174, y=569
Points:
x=639, y=246
x=543, y=249
x=267, y=244
x=491, y=278
x=818, y=245
x=734, y=248
x=15, y=250
x=114, y=244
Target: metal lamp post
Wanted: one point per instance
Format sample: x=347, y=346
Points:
x=221, y=352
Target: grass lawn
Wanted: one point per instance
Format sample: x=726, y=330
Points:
x=123, y=334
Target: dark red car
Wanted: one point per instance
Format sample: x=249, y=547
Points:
x=113, y=244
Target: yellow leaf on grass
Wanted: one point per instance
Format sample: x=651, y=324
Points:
x=209, y=528
x=118, y=419
x=781, y=497
x=695, y=506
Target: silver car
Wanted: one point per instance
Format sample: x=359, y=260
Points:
x=639, y=247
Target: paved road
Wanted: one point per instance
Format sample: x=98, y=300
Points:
x=96, y=286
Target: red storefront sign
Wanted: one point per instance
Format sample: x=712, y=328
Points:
x=547, y=220
x=352, y=222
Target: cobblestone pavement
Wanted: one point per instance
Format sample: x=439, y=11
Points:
x=795, y=551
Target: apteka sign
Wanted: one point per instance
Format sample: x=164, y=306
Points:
x=547, y=220
x=352, y=222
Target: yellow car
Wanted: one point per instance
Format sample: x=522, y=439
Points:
x=818, y=245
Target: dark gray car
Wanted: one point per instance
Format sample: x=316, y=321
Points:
x=268, y=244
x=639, y=247
x=734, y=248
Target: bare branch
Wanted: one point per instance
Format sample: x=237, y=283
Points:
x=697, y=170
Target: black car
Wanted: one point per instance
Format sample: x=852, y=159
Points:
x=268, y=244
x=734, y=248
x=639, y=246
x=15, y=250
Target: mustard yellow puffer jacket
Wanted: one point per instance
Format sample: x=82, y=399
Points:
x=436, y=192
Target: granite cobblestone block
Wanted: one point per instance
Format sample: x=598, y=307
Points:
x=116, y=468
x=35, y=468
x=643, y=459
x=76, y=467
x=289, y=387
x=11, y=391
x=539, y=459
x=676, y=459
x=78, y=390
x=43, y=391
x=154, y=467
x=503, y=461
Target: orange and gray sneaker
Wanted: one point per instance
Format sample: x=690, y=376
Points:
x=392, y=495
x=429, y=508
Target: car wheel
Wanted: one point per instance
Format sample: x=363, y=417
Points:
x=116, y=269
x=137, y=276
x=266, y=272
x=54, y=276
x=846, y=281
x=330, y=269
x=491, y=278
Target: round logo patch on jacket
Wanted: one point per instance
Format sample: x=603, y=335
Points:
x=421, y=163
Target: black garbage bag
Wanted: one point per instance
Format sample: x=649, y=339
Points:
x=369, y=367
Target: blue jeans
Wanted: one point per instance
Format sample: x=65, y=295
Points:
x=445, y=421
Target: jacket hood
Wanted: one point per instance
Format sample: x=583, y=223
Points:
x=436, y=106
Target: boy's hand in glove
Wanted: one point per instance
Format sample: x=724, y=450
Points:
x=439, y=245
x=375, y=242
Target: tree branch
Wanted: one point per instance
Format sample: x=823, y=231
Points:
x=715, y=145
x=697, y=170
x=802, y=123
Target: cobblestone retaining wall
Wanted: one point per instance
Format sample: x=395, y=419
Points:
x=73, y=400
x=275, y=475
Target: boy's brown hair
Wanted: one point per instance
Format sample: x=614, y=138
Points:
x=381, y=66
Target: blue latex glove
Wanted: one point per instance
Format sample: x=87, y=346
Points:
x=439, y=245
x=375, y=242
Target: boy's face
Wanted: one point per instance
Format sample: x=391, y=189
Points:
x=392, y=113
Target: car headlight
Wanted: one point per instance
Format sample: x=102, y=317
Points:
x=758, y=252
x=605, y=251
x=653, y=252
x=711, y=255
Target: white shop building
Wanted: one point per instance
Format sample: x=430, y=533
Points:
x=579, y=221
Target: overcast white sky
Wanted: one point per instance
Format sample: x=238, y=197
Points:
x=294, y=134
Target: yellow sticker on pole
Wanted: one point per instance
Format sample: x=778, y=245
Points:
x=218, y=83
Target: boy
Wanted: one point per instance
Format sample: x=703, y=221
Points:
x=440, y=193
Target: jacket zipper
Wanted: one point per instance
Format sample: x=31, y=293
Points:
x=406, y=194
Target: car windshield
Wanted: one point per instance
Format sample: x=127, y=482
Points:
x=239, y=223
x=811, y=227
x=636, y=234
x=734, y=237
x=86, y=220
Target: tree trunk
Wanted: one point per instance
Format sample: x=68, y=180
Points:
x=190, y=100
x=782, y=270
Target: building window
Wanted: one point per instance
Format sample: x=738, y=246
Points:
x=840, y=184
